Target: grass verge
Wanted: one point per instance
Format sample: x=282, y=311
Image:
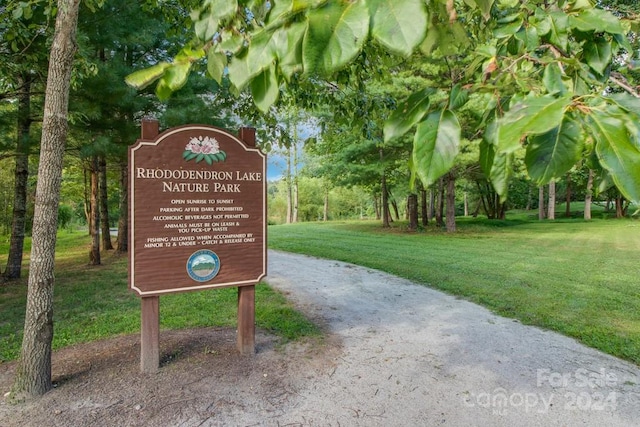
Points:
x=94, y=302
x=575, y=277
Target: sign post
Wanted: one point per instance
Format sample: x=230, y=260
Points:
x=197, y=221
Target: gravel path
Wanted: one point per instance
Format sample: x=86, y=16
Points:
x=415, y=356
x=396, y=354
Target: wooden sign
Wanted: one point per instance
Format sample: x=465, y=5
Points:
x=197, y=211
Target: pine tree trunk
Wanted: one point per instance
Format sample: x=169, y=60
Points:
x=424, y=207
x=21, y=174
x=431, y=211
x=33, y=372
x=552, y=201
x=440, y=204
x=104, y=206
x=412, y=209
x=567, y=211
x=94, y=214
x=122, y=243
x=386, y=220
x=394, y=204
x=588, y=196
x=377, y=204
x=541, y=202
x=451, y=203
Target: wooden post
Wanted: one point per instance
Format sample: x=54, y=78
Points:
x=150, y=334
x=246, y=319
x=247, y=294
x=149, y=306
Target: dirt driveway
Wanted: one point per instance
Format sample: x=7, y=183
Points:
x=397, y=354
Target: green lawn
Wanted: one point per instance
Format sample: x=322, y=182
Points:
x=575, y=277
x=579, y=278
x=92, y=303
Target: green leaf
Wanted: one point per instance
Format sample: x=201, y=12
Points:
x=485, y=8
x=552, y=79
x=458, y=97
x=206, y=27
x=143, y=78
x=435, y=146
x=287, y=45
x=239, y=71
x=628, y=102
x=283, y=9
x=558, y=33
x=597, y=20
x=552, y=154
x=191, y=156
x=185, y=154
x=487, y=154
x=261, y=53
x=222, y=155
x=175, y=76
x=617, y=152
x=508, y=29
x=530, y=116
x=501, y=169
x=199, y=157
x=598, y=55
x=408, y=113
x=231, y=41
x=216, y=63
x=399, y=25
x=209, y=159
x=529, y=36
x=335, y=35
x=265, y=90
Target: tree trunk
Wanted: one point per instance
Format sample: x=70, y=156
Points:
x=412, y=208
x=295, y=175
x=431, y=211
x=529, y=198
x=466, y=205
x=104, y=206
x=122, y=243
x=289, y=189
x=588, y=196
x=377, y=206
x=440, y=204
x=424, y=208
x=21, y=174
x=451, y=203
x=294, y=217
x=541, y=202
x=325, y=208
x=567, y=211
x=394, y=204
x=620, y=210
x=386, y=220
x=33, y=372
x=551, y=209
x=94, y=214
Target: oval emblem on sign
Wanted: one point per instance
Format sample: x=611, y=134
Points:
x=203, y=265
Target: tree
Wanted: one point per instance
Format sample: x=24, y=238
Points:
x=23, y=32
x=33, y=372
x=550, y=62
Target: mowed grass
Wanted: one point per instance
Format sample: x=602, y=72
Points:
x=579, y=278
x=94, y=302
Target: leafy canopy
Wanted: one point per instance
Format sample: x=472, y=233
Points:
x=545, y=68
